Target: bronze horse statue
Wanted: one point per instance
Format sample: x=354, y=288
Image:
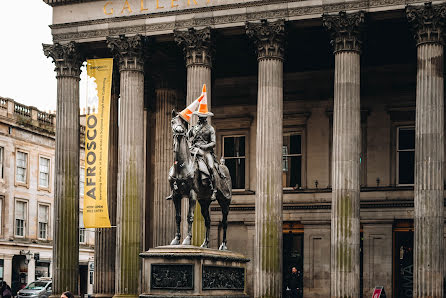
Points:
x=186, y=181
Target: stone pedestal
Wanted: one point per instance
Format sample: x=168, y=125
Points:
x=428, y=23
x=66, y=179
x=345, y=225
x=269, y=39
x=189, y=271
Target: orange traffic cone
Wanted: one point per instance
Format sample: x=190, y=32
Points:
x=187, y=112
x=203, y=110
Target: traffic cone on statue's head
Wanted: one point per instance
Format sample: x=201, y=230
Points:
x=187, y=112
x=203, y=110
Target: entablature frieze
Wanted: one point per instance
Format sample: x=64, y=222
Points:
x=159, y=23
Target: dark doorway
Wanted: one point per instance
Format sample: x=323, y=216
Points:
x=403, y=263
x=19, y=273
x=83, y=280
x=293, y=251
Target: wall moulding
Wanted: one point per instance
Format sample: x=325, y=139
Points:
x=161, y=22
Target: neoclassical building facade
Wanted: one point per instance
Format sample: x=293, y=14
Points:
x=330, y=117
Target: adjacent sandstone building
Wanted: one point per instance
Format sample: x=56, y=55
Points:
x=329, y=114
x=27, y=175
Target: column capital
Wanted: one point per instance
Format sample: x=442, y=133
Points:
x=345, y=30
x=129, y=50
x=67, y=58
x=198, y=45
x=268, y=37
x=427, y=22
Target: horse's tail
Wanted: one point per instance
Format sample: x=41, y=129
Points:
x=225, y=182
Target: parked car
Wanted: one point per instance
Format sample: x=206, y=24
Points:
x=37, y=289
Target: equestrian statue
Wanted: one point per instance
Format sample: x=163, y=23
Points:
x=196, y=174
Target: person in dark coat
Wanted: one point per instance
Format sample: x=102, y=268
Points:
x=295, y=283
x=5, y=290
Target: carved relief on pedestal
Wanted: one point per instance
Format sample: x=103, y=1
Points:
x=67, y=58
x=197, y=46
x=345, y=30
x=268, y=37
x=129, y=50
x=427, y=22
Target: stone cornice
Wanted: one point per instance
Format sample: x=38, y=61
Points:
x=268, y=37
x=345, y=30
x=287, y=12
x=67, y=58
x=129, y=51
x=65, y=2
x=198, y=46
x=427, y=22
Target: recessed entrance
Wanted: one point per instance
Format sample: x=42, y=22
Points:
x=403, y=260
x=293, y=249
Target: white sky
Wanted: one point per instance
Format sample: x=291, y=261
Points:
x=26, y=75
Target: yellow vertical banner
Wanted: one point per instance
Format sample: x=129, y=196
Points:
x=99, y=73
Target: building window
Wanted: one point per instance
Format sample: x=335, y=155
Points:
x=81, y=181
x=43, y=221
x=292, y=160
x=235, y=159
x=81, y=228
x=22, y=164
x=405, y=155
x=44, y=172
x=2, y=153
x=20, y=218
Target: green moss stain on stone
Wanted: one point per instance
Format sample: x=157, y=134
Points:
x=344, y=231
x=131, y=230
x=198, y=228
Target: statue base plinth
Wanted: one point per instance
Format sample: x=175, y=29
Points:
x=190, y=271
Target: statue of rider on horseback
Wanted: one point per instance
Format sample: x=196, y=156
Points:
x=196, y=174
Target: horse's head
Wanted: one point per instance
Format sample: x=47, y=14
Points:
x=178, y=125
x=179, y=130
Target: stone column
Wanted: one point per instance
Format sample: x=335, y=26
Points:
x=7, y=268
x=269, y=40
x=165, y=101
x=105, y=239
x=428, y=22
x=198, y=51
x=66, y=183
x=345, y=224
x=31, y=270
x=129, y=51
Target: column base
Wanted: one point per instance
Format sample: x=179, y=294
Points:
x=58, y=296
x=103, y=295
x=125, y=296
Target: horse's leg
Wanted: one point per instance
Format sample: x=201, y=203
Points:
x=224, y=211
x=177, y=202
x=190, y=218
x=207, y=221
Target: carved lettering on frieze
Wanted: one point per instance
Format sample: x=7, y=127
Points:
x=268, y=37
x=345, y=30
x=427, y=22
